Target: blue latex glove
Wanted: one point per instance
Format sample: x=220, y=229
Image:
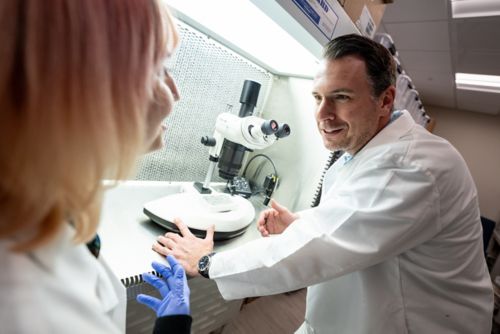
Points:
x=173, y=288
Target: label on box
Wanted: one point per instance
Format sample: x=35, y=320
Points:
x=365, y=24
x=320, y=13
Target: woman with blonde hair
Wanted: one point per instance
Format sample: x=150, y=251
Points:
x=83, y=92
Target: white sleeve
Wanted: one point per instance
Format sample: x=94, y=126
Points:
x=384, y=212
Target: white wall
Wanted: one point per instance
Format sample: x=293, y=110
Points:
x=477, y=137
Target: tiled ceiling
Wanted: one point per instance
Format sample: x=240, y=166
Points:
x=432, y=47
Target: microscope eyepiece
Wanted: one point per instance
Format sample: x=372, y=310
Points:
x=283, y=131
x=269, y=127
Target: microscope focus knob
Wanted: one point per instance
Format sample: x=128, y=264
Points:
x=208, y=141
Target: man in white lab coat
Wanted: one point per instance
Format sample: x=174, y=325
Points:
x=395, y=245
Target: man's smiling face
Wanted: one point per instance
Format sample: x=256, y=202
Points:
x=347, y=113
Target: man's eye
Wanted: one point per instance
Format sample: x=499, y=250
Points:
x=342, y=97
x=317, y=99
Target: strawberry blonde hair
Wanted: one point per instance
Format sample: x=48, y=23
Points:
x=76, y=78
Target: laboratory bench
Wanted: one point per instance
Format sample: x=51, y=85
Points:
x=127, y=235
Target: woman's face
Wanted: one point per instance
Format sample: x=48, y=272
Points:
x=165, y=93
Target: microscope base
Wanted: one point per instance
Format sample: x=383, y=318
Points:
x=231, y=215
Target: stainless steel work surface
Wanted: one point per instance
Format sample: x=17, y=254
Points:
x=127, y=233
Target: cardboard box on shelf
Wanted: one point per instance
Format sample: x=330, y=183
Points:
x=366, y=14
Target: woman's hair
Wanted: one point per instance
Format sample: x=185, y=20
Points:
x=380, y=66
x=76, y=78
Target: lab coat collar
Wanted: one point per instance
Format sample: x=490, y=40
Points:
x=392, y=132
x=48, y=254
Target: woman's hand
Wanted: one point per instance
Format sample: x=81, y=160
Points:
x=173, y=289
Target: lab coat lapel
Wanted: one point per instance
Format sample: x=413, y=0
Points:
x=340, y=172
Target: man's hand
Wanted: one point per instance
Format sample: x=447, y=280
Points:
x=173, y=289
x=275, y=220
x=187, y=248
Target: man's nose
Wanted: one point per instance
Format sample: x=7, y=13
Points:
x=325, y=110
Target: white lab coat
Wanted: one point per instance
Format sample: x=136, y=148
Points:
x=60, y=288
x=394, y=247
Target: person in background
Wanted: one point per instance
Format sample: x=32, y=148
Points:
x=83, y=92
x=395, y=245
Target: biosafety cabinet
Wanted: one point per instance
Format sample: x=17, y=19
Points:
x=276, y=43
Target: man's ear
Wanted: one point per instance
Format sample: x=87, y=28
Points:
x=387, y=99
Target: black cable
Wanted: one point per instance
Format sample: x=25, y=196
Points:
x=270, y=182
x=330, y=161
x=256, y=156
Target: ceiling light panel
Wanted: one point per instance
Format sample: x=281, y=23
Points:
x=244, y=28
x=474, y=8
x=478, y=82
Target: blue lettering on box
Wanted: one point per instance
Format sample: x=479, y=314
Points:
x=308, y=10
x=323, y=5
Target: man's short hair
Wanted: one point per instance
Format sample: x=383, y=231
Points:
x=380, y=65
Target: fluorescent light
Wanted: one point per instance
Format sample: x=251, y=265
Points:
x=475, y=8
x=478, y=82
x=244, y=28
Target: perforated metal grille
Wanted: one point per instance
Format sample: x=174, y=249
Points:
x=209, y=77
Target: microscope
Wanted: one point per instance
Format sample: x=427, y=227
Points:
x=205, y=206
